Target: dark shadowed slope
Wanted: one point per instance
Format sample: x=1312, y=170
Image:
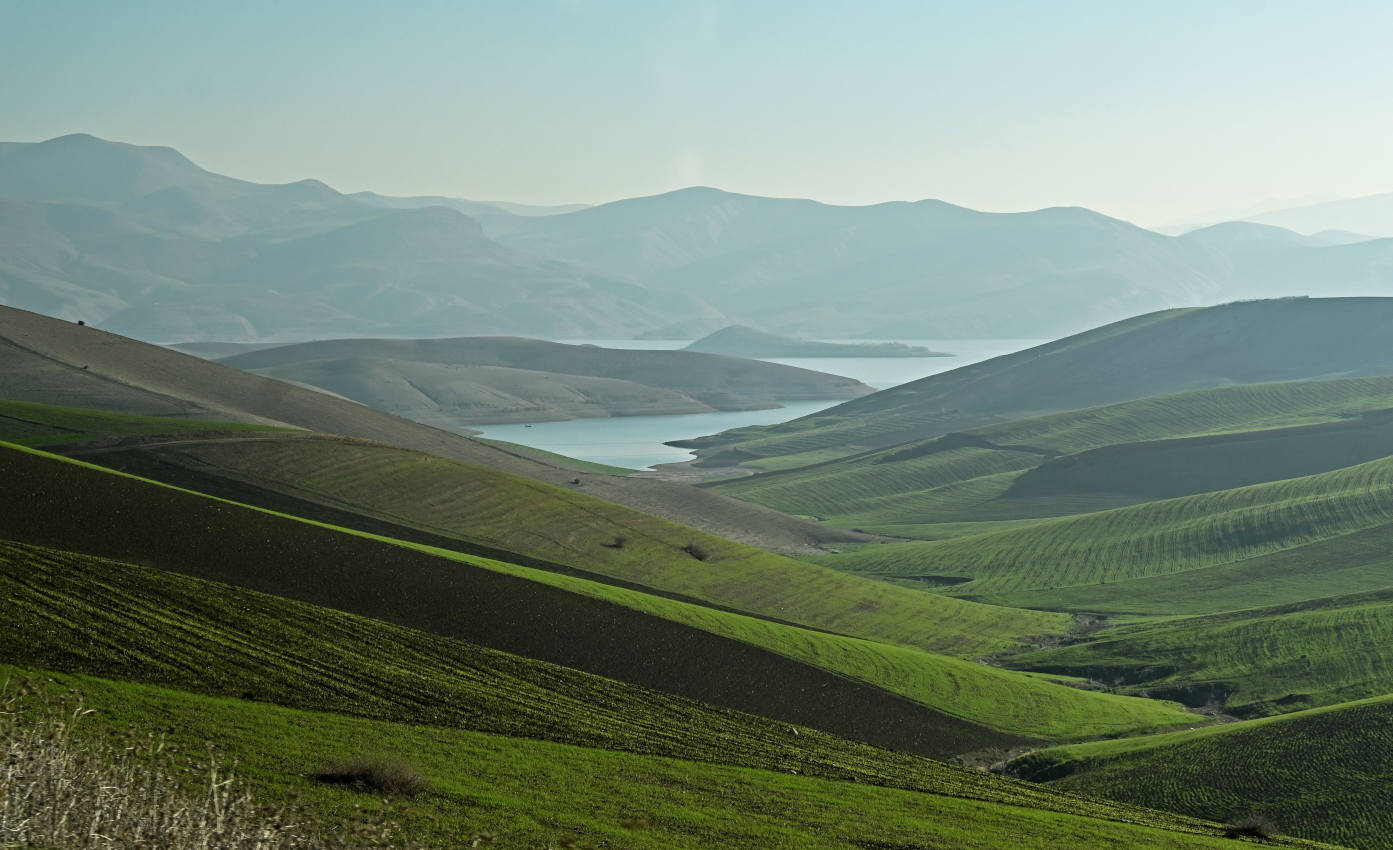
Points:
x=1166, y=352
x=54, y=362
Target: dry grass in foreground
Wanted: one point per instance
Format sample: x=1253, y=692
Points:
x=56, y=792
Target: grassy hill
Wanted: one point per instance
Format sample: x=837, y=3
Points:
x=984, y=475
x=1262, y=661
x=719, y=657
x=60, y=363
x=514, y=792
x=480, y=511
x=1150, y=539
x=1320, y=773
x=1155, y=354
x=458, y=382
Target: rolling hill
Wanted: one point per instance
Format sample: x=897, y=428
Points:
x=49, y=361
x=1320, y=773
x=561, y=618
x=1155, y=354
x=453, y=383
x=1089, y=459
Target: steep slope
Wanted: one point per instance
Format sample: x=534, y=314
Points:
x=54, y=362
x=1166, y=352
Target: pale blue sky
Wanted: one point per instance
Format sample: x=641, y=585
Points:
x=1154, y=112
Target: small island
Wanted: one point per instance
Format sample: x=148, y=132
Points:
x=741, y=341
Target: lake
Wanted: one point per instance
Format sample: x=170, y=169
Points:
x=636, y=442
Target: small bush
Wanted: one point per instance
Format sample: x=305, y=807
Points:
x=696, y=551
x=1251, y=826
x=378, y=774
x=618, y=543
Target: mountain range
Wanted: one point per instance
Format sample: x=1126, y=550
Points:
x=143, y=242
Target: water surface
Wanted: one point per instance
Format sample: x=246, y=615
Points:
x=636, y=442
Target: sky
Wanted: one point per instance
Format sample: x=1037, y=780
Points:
x=1153, y=112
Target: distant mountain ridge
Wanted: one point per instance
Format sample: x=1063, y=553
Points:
x=741, y=341
x=142, y=241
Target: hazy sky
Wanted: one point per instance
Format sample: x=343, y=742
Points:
x=1150, y=111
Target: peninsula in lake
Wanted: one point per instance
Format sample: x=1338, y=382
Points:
x=742, y=341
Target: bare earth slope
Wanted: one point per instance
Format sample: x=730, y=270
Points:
x=55, y=362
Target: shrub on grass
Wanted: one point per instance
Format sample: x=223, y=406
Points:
x=1251, y=826
x=378, y=774
x=696, y=551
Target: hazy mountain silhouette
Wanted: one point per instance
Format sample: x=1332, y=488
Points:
x=145, y=242
x=1370, y=214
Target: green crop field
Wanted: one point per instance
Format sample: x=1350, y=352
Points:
x=1263, y=661
x=922, y=483
x=1322, y=774
x=236, y=544
x=512, y=792
x=1151, y=539
x=1348, y=563
x=79, y=614
x=510, y=514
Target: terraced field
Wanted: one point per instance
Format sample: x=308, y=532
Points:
x=1321, y=774
x=1151, y=539
x=720, y=657
x=966, y=476
x=1264, y=661
x=513, y=792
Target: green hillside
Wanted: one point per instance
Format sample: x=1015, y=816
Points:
x=1263, y=661
x=928, y=703
x=1348, y=563
x=1150, y=539
x=1321, y=774
x=455, y=501
x=36, y=425
x=964, y=477
x=1154, y=354
x=512, y=792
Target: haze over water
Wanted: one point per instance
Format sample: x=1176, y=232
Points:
x=637, y=441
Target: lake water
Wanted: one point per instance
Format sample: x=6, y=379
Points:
x=636, y=442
